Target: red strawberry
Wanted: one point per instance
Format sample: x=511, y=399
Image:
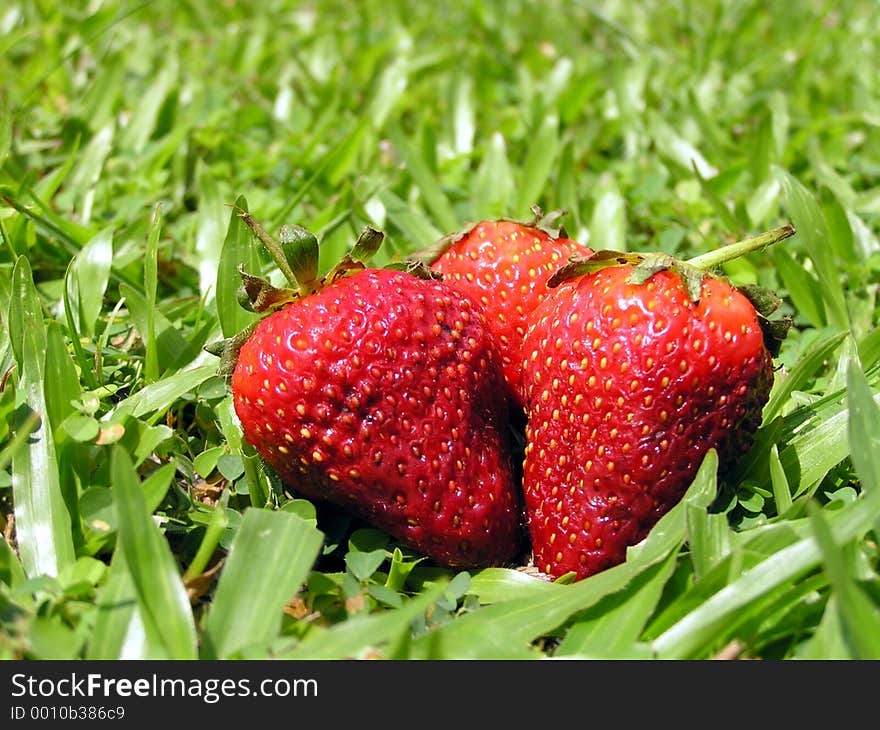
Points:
x=628, y=386
x=504, y=266
x=382, y=392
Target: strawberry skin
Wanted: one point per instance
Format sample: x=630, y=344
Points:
x=504, y=266
x=628, y=386
x=382, y=393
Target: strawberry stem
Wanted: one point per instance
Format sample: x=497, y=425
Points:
x=733, y=251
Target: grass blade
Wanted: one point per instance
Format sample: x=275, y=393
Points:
x=151, y=282
x=803, y=289
x=238, y=248
x=701, y=627
x=91, y=269
x=143, y=119
x=493, y=184
x=543, y=150
x=119, y=631
x=158, y=397
x=779, y=482
x=810, y=224
x=415, y=227
x=209, y=234
x=42, y=521
x=11, y=572
x=708, y=534
x=161, y=596
x=608, y=224
x=168, y=346
x=425, y=180
x=859, y=617
x=806, y=366
x=613, y=625
x=863, y=429
x=270, y=558
x=492, y=585
x=827, y=642
x=817, y=448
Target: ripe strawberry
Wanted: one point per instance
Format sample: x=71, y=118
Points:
x=628, y=386
x=382, y=392
x=504, y=266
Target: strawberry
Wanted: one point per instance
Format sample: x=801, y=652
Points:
x=503, y=265
x=381, y=392
x=635, y=366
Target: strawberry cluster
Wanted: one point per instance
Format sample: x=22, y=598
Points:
x=394, y=392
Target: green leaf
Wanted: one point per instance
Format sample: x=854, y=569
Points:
x=357, y=636
x=146, y=111
x=97, y=509
x=819, y=445
x=492, y=585
x=25, y=313
x=5, y=132
x=367, y=244
x=61, y=382
x=217, y=524
x=673, y=146
x=139, y=439
x=238, y=249
x=156, y=486
x=363, y=565
x=302, y=508
x=91, y=161
x=161, y=596
x=463, y=117
x=49, y=638
x=81, y=428
x=206, y=462
x=270, y=557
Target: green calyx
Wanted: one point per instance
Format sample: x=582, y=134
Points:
x=645, y=265
x=692, y=273
x=295, y=253
x=547, y=221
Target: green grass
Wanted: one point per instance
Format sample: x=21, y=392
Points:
x=138, y=522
